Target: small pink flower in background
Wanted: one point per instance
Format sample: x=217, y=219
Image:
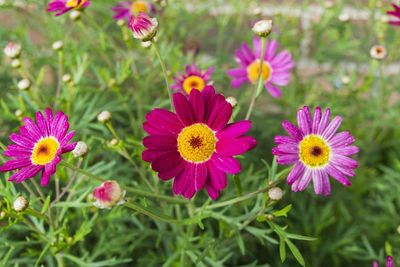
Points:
x=196, y=145
x=63, y=6
x=143, y=27
x=389, y=262
x=108, y=195
x=275, y=70
x=126, y=9
x=12, y=50
x=38, y=147
x=396, y=15
x=194, y=78
x=316, y=151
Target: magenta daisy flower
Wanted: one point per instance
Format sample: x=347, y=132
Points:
x=275, y=70
x=125, y=9
x=63, y=6
x=316, y=151
x=143, y=27
x=194, y=78
x=396, y=14
x=389, y=262
x=38, y=147
x=196, y=145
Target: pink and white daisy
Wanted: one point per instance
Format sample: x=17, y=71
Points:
x=126, y=9
x=194, y=78
x=63, y=6
x=38, y=147
x=108, y=195
x=316, y=151
x=143, y=27
x=196, y=145
x=396, y=15
x=275, y=70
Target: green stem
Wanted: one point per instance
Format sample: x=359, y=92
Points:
x=257, y=89
x=129, y=189
x=164, y=70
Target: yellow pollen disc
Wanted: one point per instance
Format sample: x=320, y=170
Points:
x=314, y=151
x=75, y=3
x=196, y=143
x=138, y=7
x=254, y=68
x=193, y=82
x=44, y=151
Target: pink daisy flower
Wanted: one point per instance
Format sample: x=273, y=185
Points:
x=194, y=78
x=389, y=262
x=63, y=6
x=38, y=147
x=125, y=9
x=396, y=14
x=316, y=151
x=143, y=27
x=275, y=70
x=196, y=145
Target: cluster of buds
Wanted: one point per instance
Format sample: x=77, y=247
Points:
x=108, y=195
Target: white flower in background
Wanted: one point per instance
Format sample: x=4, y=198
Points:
x=262, y=27
x=58, y=45
x=12, y=50
x=104, y=116
x=378, y=52
x=24, y=84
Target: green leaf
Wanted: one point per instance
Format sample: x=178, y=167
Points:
x=46, y=205
x=283, y=212
x=301, y=237
x=282, y=249
x=296, y=253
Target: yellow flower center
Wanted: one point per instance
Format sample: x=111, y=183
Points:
x=138, y=7
x=196, y=143
x=193, y=82
x=314, y=151
x=44, y=151
x=254, y=68
x=75, y=3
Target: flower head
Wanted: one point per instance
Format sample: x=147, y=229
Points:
x=12, y=50
x=63, y=6
x=378, y=52
x=389, y=262
x=193, y=78
x=20, y=204
x=126, y=9
x=396, y=15
x=38, y=147
x=275, y=70
x=143, y=27
x=316, y=151
x=262, y=27
x=24, y=84
x=108, y=195
x=196, y=145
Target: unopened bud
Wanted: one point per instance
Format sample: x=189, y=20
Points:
x=75, y=15
x=344, y=17
x=121, y=22
x=104, y=116
x=16, y=63
x=345, y=79
x=58, y=46
x=262, y=28
x=80, y=149
x=18, y=113
x=12, y=50
x=108, y=195
x=24, y=84
x=275, y=193
x=67, y=78
x=146, y=44
x=20, y=204
x=114, y=142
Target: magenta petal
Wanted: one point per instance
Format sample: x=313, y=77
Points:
x=162, y=122
x=342, y=139
x=344, y=161
x=32, y=128
x=287, y=159
x=389, y=261
x=226, y=163
x=304, y=120
x=166, y=161
x=150, y=155
x=332, y=128
x=212, y=192
x=15, y=164
x=318, y=182
x=316, y=120
x=160, y=142
x=237, y=73
x=173, y=171
x=68, y=148
x=235, y=129
x=197, y=102
x=22, y=141
x=337, y=175
x=305, y=180
x=184, y=109
x=326, y=183
x=199, y=176
x=346, y=150
x=235, y=146
x=279, y=139
x=273, y=90
x=220, y=115
x=292, y=130
x=296, y=173
x=49, y=170
x=25, y=173
x=324, y=121
x=216, y=178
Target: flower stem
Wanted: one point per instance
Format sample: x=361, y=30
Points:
x=164, y=70
x=260, y=79
x=129, y=189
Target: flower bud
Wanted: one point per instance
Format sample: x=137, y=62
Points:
x=114, y=142
x=67, y=78
x=344, y=17
x=104, y=116
x=345, y=79
x=231, y=100
x=146, y=44
x=18, y=113
x=275, y=193
x=12, y=50
x=262, y=28
x=75, y=15
x=378, y=52
x=80, y=149
x=20, y=204
x=108, y=195
x=58, y=46
x=16, y=63
x=121, y=22
x=3, y=214
x=24, y=84
x=143, y=27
